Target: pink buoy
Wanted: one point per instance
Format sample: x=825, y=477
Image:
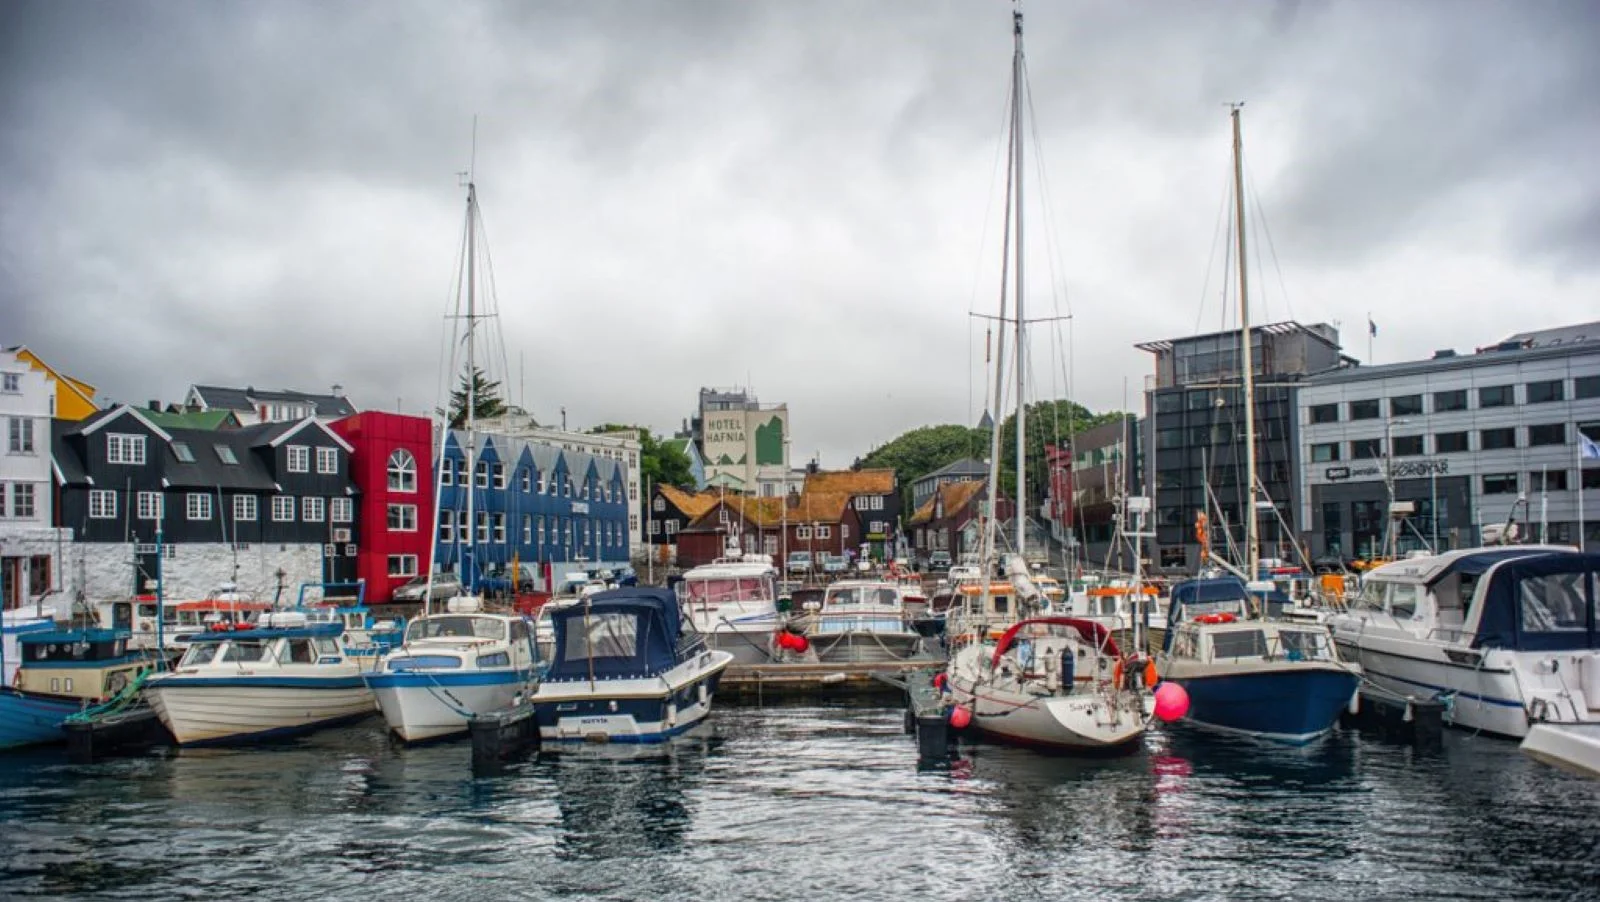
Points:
x=960, y=717
x=1172, y=702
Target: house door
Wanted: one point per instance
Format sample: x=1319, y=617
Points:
x=10, y=582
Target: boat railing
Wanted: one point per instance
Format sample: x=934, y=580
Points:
x=1273, y=648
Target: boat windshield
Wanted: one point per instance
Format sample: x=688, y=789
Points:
x=862, y=596
x=200, y=653
x=719, y=590
x=1371, y=596
x=461, y=626
x=607, y=636
x=244, y=651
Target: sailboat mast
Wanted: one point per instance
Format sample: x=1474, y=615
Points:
x=469, y=580
x=1251, y=539
x=1022, y=346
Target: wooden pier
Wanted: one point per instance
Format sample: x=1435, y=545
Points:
x=762, y=683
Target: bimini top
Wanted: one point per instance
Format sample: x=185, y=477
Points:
x=1548, y=601
x=1429, y=569
x=620, y=634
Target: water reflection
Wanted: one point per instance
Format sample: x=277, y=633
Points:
x=615, y=801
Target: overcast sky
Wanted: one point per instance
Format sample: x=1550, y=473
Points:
x=799, y=197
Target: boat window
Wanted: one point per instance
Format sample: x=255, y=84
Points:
x=325, y=645
x=607, y=636
x=498, y=659
x=1303, y=645
x=199, y=653
x=519, y=631
x=1372, y=594
x=463, y=627
x=1403, y=600
x=1238, y=644
x=728, y=589
x=1553, y=603
x=300, y=651
x=244, y=651
x=1183, y=644
x=424, y=662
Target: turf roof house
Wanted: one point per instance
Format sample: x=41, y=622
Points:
x=875, y=496
x=816, y=522
x=671, y=511
x=948, y=521
x=238, y=505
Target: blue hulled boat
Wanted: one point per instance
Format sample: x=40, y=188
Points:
x=1248, y=673
x=626, y=670
x=62, y=672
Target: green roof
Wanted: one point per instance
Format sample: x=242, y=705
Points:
x=198, y=419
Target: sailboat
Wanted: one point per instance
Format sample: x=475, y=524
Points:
x=1246, y=670
x=466, y=660
x=1014, y=672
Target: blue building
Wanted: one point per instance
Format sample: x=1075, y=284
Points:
x=532, y=502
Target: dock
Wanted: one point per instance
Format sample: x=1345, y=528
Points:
x=761, y=683
x=501, y=737
x=129, y=732
x=1417, y=722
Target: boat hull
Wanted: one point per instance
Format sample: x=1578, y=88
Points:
x=643, y=710
x=220, y=711
x=1292, y=706
x=420, y=706
x=865, y=646
x=1081, y=721
x=1571, y=747
x=30, y=719
x=1486, y=698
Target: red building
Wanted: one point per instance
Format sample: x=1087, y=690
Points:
x=392, y=466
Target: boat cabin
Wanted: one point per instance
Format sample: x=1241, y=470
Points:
x=91, y=665
x=620, y=635
x=277, y=640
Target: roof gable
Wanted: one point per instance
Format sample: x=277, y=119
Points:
x=94, y=423
x=311, y=423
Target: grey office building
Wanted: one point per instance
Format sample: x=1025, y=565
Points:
x=1471, y=440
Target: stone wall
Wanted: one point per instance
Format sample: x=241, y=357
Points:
x=104, y=571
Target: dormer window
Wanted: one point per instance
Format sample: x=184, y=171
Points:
x=124, y=449
x=183, y=452
x=299, y=458
x=225, y=454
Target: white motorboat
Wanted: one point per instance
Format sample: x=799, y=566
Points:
x=733, y=603
x=279, y=677
x=453, y=666
x=1506, y=636
x=862, y=621
x=1571, y=747
x=626, y=669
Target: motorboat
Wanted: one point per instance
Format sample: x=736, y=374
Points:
x=1507, y=636
x=453, y=666
x=627, y=668
x=59, y=673
x=1246, y=670
x=1571, y=747
x=732, y=602
x=280, y=676
x=861, y=621
x=186, y=619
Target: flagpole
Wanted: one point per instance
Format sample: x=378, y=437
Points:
x=1577, y=450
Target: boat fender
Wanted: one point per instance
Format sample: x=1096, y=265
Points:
x=1116, y=675
x=1150, y=675
x=1068, y=663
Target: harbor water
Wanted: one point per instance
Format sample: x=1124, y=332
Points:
x=802, y=803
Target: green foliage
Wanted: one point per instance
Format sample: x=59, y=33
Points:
x=659, y=462
x=486, y=401
x=921, y=451
x=1049, y=422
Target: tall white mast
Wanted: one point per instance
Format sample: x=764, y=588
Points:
x=472, y=384
x=1022, y=347
x=1251, y=542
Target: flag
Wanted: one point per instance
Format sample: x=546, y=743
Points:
x=1372, y=328
x=1589, y=449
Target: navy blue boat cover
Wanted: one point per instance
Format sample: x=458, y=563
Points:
x=1540, y=602
x=625, y=633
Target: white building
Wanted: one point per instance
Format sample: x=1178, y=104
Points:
x=745, y=444
x=30, y=547
x=1470, y=440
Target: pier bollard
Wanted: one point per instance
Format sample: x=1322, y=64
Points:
x=501, y=737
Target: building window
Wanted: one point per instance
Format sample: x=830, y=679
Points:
x=102, y=504
x=633, y=491
x=328, y=461
x=1450, y=443
x=1500, y=483
x=244, y=507
x=149, y=505
x=463, y=531
x=22, y=501
x=1496, y=439
x=13, y=383
x=447, y=526
x=525, y=480
x=824, y=532
x=1547, y=434
x=1325, y=413
x=1590, y=478
x=541, y=483
x=802, y=532
x=499, y=471
x=499, y=522
x=402, y=565
x=1444, y=401
x=481, y=474
x=658, y=505
x=183, y=452
x=124, y=449
x=1405, y=406
x=1407, y=445
x=1495, y=396
x=341, y=510
x=527, y=529
x=672, y=526
x=483, y=527
x=1544, y=392
x=1366, y=448
x=1364, y=410
x=312, y=509
x=21, y=435
x=402, y=518
x=199, y=506
x=282, y=509
x=1547, y=481
x=1325, y=453
x=447, y=471
x=299, y=458
x=566, y=485
x=541, y=529
x=225, y=454
x=402, y=471
x=1586, y=387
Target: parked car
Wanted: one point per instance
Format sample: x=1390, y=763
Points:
x=799, y=562
x=834, y=563
x=939, y=560
x=445, y=585
x=499, y=580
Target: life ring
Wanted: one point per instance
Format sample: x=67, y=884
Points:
x=1219, y=617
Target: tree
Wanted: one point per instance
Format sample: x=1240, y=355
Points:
x=1049, y=422
x=486, y=400
x=659, y=462
x=921, y=451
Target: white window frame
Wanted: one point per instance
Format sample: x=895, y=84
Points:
x=499, y=472
x=124, y=449
x=341, y=510
x=283, y=508
x=313, y=509
x=102, y=504
x=525, y=480
x=12, y=383
x=541, y=483
x=150, y=506
x=527, y=529
x=402, y=565
x=447, y=527
x=328, y=461
x=297, y=458
x=402, y=471
x=802, y=532
x=447, y=471
x=823, y=531
x=401, y=518
x=244, y=508
x=19, y=438
x=483, y=527
x=498, y=522
x=24, y=501
x=198, y=506
x=672, y=527
x=463, y=531
x=541, y=529
x=480, y=476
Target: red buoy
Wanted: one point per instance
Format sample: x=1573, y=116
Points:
x=960, y=717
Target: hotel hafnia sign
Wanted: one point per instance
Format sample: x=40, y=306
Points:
x=1405, y=469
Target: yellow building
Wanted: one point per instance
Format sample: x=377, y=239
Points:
x=74, y=397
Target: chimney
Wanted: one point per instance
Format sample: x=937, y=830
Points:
x=155, y=406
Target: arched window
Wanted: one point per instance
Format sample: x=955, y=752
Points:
x=402, y=471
